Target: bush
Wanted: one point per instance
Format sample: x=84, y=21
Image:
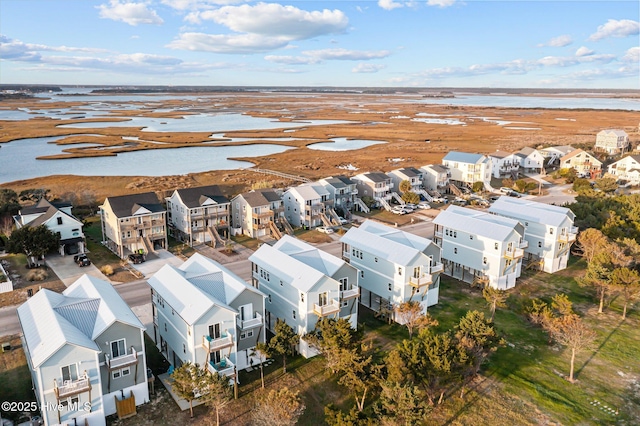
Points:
x=581, y=184
x=37, y=275
x=107, y=270
x=478, y=187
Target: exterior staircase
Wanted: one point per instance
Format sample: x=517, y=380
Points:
x=287, y=226
x=425, y=194
x=275, y=232
x=333, y=215
x=363, y=207
x=325, y=219
x=215, y=237
x=398, y=198
x=148, y=244
x=384, y=203
x=455, y=190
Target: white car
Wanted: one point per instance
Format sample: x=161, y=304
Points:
x=424, y=206
x=439, y=200
x=342, y=220
x=325, y=230
x=398, y=211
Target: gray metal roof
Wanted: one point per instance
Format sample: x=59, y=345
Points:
x=260, y=197
x=196, y=197
x=385, y=242
x=464, y=157
x=531, y=211
x=478, y=223
x=127, y=205
x=408, y=172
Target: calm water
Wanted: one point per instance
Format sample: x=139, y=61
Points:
x=538, y=102
x=343, y=144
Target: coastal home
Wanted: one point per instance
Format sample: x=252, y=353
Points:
x=198, y=215
x=6, y=285
x=435, y=178
x=395, y=266
x=377, y=185
x=468, y=168
x=504, y=164
x=344, y=193
x=626, y=169
x=205, y=314
x=480, y=247
x=530, y=159
x=583, y=163
x=309, y=205
x=612, y=141
x=304, y=284
x=85, y=351
x=58, y=218
x=413, y=176
x=548, y=230
x=553, y=154
x=133, y=223
x=258, y=213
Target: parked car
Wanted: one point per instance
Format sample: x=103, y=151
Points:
x=342, y=220
x=82, y=260
x=136, y=258
x=494, y=198
x=424, y=206
x=439, y=200
x=325, y=230
x=398, y=211
x=506, y=190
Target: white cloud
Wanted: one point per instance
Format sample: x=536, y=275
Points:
x=347, y=55
x=272, y=19
x=367, y=68
x=389, y=4
x=237, y=43
x=130, y=13
x=198, y=4
x=584, y=51
x=616, y=28
x=17, y=50
x=292, y=60
x=560, y=41
x=566, y=61
x=441, y=3
x=632, y=55
x=392, y=4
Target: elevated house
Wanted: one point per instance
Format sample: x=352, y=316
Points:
x=553, y=154
x=413, y=176
x=548, y=230
x=304, y=284
x=378, y=186
x=435, y=178
x=344, y=192
x=504, y=164
x=395, y=266
x=199, y=215
x=133, y=223
x=480, y=247
x=583, y=163
x=205, y=314
x=530, y=159
x=259, y=213
x=612, y=141
x=626, y=170
x=59, y=219
x=468, y=168
x=85, y=351
x=309, y=205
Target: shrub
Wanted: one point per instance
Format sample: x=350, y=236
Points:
x=107, y=270
x=37, y=275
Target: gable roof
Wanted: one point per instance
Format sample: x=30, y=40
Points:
x=616, y=132
x=47, y=210
x=576, y=152
x=408, y=172
x=197, y=286
x=77, y=317
x=388, y=243
x=338, y=181
x=198, y=196
x=128, y=205
x=260, y=197
x=464, y=157
x=478, y=223
x=500, y=154
x=373, y=177
x=299, y=263
x=309, y=191
x=438, y=168
x=563, y=149
x=531, y=211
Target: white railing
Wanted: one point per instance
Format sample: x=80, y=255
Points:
x=350, y=294
x=121, y=361
x=72, y=387
x=514, y=253
x=438, y=267
x=248, y=323
x=328, y=309
x=422, y=280
x=223, y=368
x=523, y=244
x=214, y=344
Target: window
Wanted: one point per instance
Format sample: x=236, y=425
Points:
x=280, y=283
x=246, y=334
x=471, y=237
x=455, y=250
x=302, y=297
x=551, y=231
x=539, y=244
x=399, y=271
x=484, y=260
x=294, y=314
x=390, y=287
x=495, y=246
x=345, y=303
x=184, y=348
x=119, y=348
x=116, y=374
x=446, y=232
x=455, y=234
x=344, y=284
x=361, y=274
x=70, y=372
x=165, y=326
x=59, y=221
x=125, y=371
x=269, y=298
x=376, y=259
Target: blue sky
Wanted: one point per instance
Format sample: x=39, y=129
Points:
x=434, y=43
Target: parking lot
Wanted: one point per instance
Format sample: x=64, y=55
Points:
x=68, y=271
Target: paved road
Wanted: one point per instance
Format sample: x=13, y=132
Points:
x=9, y=321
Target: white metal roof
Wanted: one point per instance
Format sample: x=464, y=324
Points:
x=464, y=157
x=386, y=243
x=79, y=315
x=479, y=223
x=531, y=211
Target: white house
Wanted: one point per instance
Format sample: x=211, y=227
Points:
x=58, y=218
x=258, y=213
x=530, y=159
x=612, y=141
x=548, y=230
x=553, y=154
x=480, y=247
x=85, y=352
x=468, y=168
x=198, y=215
x=205, y=314
x=6, y=285
x=304, y=284
x=435, y=178
x=582, y=162
x=395, y=266
x=413, y=176
x=504, y=164
x=626, y=169
x=309, y=205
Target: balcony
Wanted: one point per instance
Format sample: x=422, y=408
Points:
x=212, y=344
x=421, y=281
x=523, y=244
x=257, y=226
x=328, y=309
x=354, y=192
x=122, y=361
x=350, y=294
x=67, y=388
x=263, y=214
x=438, y=267
x=249, y=323
x=438, y=234
x=515, y=253
x=224, y=368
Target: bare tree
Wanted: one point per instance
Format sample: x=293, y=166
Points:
x=410, y=314
x=626, y=282
x=495, y=298
x=280, y=407
x=591, y=241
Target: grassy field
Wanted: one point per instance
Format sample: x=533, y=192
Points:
x=14, y=375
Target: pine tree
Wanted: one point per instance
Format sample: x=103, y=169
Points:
x=283, y=341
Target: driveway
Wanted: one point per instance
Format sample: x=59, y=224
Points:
x=68, y=271
x=157, y=261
